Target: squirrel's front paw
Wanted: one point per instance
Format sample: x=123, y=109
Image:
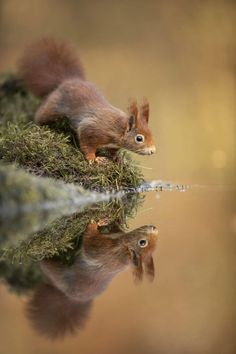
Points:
x=101, y=160
x=103, y=222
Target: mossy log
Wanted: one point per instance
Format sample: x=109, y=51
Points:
x=53, y=151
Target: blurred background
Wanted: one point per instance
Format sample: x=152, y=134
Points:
x=181, y=55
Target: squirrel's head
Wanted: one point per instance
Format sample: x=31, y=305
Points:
x=141, y=244
x=138, y=137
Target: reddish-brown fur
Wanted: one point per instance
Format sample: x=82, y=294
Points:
x=47, y=63
x=53, y=70
x=63, y=304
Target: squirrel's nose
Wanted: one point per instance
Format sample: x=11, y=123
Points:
x=152, y=149
x=152, y=229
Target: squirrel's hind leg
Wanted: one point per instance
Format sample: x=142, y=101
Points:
x=89, y=145
x=49, y=110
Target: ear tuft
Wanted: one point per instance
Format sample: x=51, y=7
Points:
x=149, y=268
x=130, y=123
x=137, y=266
x=133, y=110
x=138, y=274
x=144, y=110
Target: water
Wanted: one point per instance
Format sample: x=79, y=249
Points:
x=190, y=299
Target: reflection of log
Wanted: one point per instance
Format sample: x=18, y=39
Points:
x=61, y=238
x=29, y=202
x=22, y=192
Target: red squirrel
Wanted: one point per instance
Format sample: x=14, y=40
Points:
x=62, y=303
x=52, y=70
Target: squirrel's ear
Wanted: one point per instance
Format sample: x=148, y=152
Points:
x=149, y=268
x=133, y=110
x=144, y=110
x=137, y=266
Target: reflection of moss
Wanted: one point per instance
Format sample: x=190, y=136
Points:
x=53, y=152
x=63, y=236
x=20, y=278
x=61, y=239
x=28, y=202
x=20, y=190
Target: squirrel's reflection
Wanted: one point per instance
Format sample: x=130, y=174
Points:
x=62, y=303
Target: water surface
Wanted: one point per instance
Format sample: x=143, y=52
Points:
x=190, y=302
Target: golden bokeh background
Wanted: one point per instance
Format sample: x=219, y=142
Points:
x=180, y=54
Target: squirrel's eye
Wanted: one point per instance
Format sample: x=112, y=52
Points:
x=139, y=138
x=143, y=243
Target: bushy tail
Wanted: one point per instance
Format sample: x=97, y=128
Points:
x=53, y=314
x=46, y=63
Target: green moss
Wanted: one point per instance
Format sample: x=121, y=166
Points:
x=54, y=151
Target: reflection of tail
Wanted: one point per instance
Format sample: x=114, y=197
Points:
x=54, y=315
